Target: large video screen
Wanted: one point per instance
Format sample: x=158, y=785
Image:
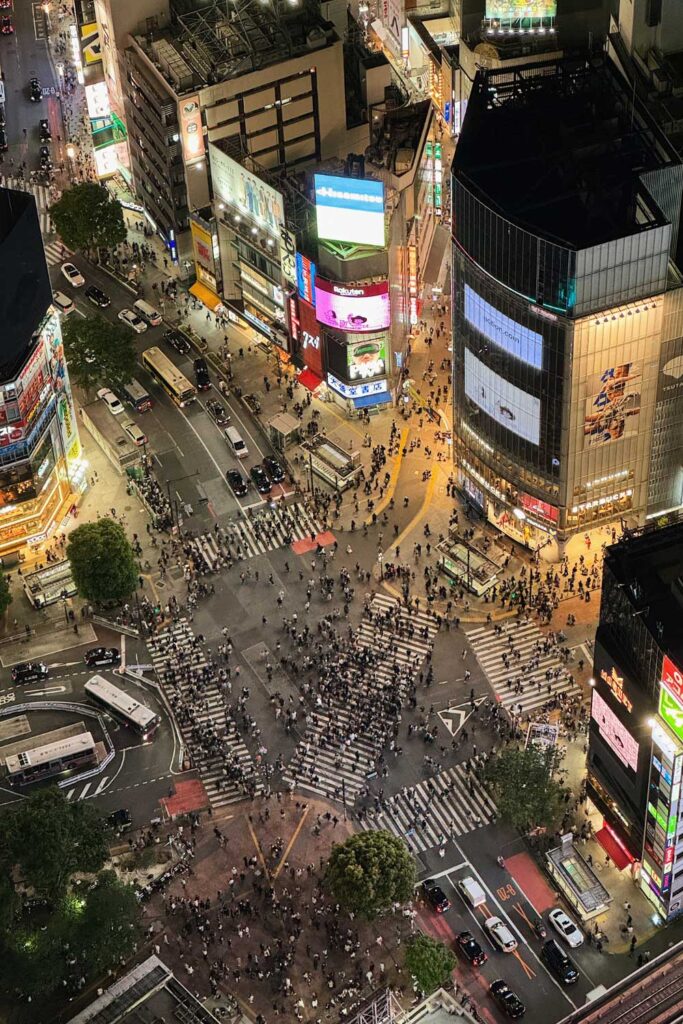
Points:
x=349, y=209
x=508, y=405
x=521, y=10
x=519, y=341
x=356, y=309
x=614, y=733
x=367, y=358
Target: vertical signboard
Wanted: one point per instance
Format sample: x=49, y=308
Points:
x=191, y=130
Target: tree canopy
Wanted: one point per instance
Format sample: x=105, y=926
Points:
x=430, y=962
x=525, y=786
x=370, y=872
x=86, y=216
x=98, y=351
x=5, y=593
x=102, y=562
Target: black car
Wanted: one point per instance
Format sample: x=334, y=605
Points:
x=509, y=1003
x=45, y=159
x=559, y=963
x=6, y=26
x=35, y=91
x=274, y=469
x=217, y=412
x=120, y=820
x=177, y=341
x=44, y=129
x=3, y=141
x=201, y=374
x=471, y=949
x=239, y=483
x=262, y=481
x=29, y=671
x=435, y=896
x=97, y=296
x=102, y=656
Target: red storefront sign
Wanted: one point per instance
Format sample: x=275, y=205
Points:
x=538, y=508
x=672, y=679
x=310, y=338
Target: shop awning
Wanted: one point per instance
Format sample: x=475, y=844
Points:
x=205, y=295
x=309, y=379
x=368, y=400
x=611, y=845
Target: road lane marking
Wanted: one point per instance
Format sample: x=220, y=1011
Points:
x=291, y=842
x=524, y=965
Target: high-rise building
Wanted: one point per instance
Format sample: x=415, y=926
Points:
x=635, y=753
x=567, y=303
x=41, y=468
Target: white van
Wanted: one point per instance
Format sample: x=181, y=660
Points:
x=471, y=891
x=63, y=303
x=235, y=443
x=148, y=313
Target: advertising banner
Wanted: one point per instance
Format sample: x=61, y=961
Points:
x=310, y=338
x=205, y=264
x=353, y=308
x=366, y=359
x=350, y=209
x=504, y=332
x=672, y=679
x=288, y=255
x=536, y=507
x=91, y=46
x=520, y=10
x=373, y=387
x=613, y=411
x=671, y=712
x=191, y=130
x=616, y=735
x=507, y=404
x=239, y=189
x=305, y=278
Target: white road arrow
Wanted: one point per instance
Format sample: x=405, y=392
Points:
x=46, y=691
x=455, y=717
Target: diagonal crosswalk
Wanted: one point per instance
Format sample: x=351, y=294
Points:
x=446, y=806
x=192, y=686
x=534, y=673
x=248, y=536
x=346, y=732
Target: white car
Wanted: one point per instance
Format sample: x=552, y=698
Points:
x=73, y=275
x=133, y=320
x=133, y=431
x=500, y=934
x=110, y=400
x=563, y=924
x=63, y=303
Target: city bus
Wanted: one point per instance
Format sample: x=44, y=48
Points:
x=169, y=376
x=51, y=759
x=137, y=395
x=121, y=705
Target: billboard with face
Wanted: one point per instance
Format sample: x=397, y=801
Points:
x=239, y=189
x=613, y=405
x=366, y=359
x=355, y=309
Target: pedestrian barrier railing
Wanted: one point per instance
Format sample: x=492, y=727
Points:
x=117, y=627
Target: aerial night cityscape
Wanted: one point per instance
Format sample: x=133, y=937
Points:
x=341, y=511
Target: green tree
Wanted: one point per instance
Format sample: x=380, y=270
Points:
x=102, y=562
x=430, y=962
x=98, y=351
x=370, y=872
x=48, y=839
x=86, y=217
x=5, y=595
x=526, y=787
x=108, y=926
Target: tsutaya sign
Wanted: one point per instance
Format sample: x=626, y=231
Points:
x=616, y=685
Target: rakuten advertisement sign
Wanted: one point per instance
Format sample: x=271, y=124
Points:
x=355, y=309
x=310, y=340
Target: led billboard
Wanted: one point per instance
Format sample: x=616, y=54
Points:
x=615, y=734
x=613, y=411
x=305, y=278
x=512, y=337
x=671, y=712
x=349, y=209
x=353, y=308
x=310, y=340
x=239, y=189
x=191, y=129
x=520, y=10
x=366, y=359
x=672, y=678
x=508, y=405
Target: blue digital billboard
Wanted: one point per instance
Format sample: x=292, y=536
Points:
x=350, y=209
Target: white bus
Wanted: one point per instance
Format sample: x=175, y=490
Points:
x=169, y=376
x=121, y=705
x=51, y=759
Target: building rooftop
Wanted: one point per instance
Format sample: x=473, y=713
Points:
x=649, y=565
x=560, y=148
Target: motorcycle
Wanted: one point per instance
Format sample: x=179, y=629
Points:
x=539, y=928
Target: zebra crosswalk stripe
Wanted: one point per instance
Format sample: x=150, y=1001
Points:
x=527, y=639
x=56, y=253
x=449, y=808
x=242, y=539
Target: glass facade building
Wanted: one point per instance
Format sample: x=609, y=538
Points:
x=563, y=283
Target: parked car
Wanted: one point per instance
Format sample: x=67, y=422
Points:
x=471, y=950
x=563, y=924
x=97, y=296
x=132, y=430
x=217, y=412
x=110, y=400
x=500, y=934
x=29, y=671
x=120, y=820
x=177, y=341
x=273, y=469
x=35, y=90
x=507, y=1000
x=73, y=275
x=435, y=896
x=102, y=656
x=44, y=129
x=239, y=483
x=201, y=374
x=261, y=480
x=559, y=963
x=131, y=319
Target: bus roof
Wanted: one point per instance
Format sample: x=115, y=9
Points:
x=119, y=700
x=79, y=744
